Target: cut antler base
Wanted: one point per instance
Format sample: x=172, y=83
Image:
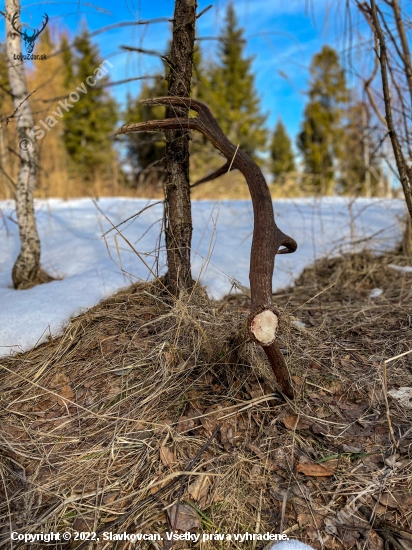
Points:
x=268, y=239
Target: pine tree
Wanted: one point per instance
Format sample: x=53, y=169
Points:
x=321, y=136
x=231, y=92
x=281, y=152
x=93, y=117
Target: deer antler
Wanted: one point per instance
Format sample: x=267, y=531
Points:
x=13, y=24
x=267, y=237
x=36, y=33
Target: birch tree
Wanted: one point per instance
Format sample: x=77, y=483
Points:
x=26, y=270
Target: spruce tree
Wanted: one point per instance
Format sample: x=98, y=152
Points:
x=5, y=108
x=360, y=168
x=231, y=94
x=281, y=152
x=322, y=132
x=50, y=87
x=93, y=117
x=147, y=149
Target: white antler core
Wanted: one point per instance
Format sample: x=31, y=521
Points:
x=264, y=327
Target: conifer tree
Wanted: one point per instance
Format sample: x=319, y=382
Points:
x=360, y=168
x=5, y=105
x=50, y=86
x=231, y=94
x=322, y=132
x=281, y=152
x=146, y=150
x=92, y=119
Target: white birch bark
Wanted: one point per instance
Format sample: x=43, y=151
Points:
x=26, y=270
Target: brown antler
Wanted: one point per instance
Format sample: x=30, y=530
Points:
x=267, y=238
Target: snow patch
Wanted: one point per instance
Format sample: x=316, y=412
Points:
x=401, y=268
x=375, y=292
x=73, y=249
x=404, y=395
x=291, y=544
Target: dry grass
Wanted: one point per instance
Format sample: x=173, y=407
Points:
x=95, y=423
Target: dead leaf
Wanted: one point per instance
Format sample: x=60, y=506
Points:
x=167, y=456
x=14, y=431
x=187, y=519
x=199, y=490
x=113, y=392
x=298, y=381
x=82, y=526
x=321, y=429
x=226, y=437
x=397, y=500
x=109, y=498
x=374, y=541
x=291, y=422
x=43, y=405
x=278, y=492
x=66, y=393
x=210, y=422
x=184, y=424
x=382, y=430
x=305, y=519
x=314, y=470
x=59, y=380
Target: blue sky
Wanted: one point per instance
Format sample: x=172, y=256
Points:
x=282, y=36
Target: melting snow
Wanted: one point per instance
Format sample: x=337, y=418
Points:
x=73, y=250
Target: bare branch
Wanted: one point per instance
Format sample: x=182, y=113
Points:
x=406, y=57
x=400, y=162
x=204, y=11
x=141, y=50
x=8, y=118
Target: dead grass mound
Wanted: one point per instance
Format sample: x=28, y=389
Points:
x=147, y=407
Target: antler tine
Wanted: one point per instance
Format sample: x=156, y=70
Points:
x=186, y=102
x=36, y=33
x=284, y=240
x=222, y=170
x=13, y=23
x=156, y=125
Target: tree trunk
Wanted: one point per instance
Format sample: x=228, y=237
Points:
x=177, y=186
x=26, y=270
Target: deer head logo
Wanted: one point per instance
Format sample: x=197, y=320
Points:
x=29, y=40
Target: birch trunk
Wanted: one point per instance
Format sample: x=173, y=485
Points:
x=26, y=270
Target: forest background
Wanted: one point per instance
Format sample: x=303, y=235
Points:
x=329, y=143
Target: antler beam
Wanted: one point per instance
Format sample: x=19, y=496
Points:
x=268, y=239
